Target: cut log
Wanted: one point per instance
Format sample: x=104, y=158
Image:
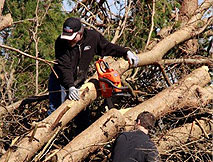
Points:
x=179, y=136
x=92, y=138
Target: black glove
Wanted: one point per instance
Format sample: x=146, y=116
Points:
x=73, y=93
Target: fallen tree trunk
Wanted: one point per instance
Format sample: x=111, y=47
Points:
x=168, y=100
x=197, y=97
x=26, y=148
x=177, y=37
x=185, y=84
x=179, y=136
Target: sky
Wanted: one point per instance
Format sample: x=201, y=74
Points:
x=110, y=2
x=68, y=8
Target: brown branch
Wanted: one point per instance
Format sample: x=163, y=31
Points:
x=36, y=40
x=17, y=120
x=27, y=55
x=30, y=56
x=207, y=61
x=21, y=103
x=33, y=133
x=203, y=130
x=90, y=25
x=21, y=21
x=207, y=23
x=121, y=27
x=93, y=16
x=164, y=74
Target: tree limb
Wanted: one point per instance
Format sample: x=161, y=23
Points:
x=152, y=26
x=207, y=61
x=27, y=55
x=121, y=27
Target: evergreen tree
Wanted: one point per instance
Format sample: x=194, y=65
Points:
x=20, y=36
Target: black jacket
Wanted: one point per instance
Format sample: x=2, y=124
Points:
x=73, y=62
x=134, y=146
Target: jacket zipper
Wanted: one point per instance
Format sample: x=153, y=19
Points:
x=79, y=48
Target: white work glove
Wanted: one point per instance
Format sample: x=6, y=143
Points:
x=132, y=58
x=73, y=94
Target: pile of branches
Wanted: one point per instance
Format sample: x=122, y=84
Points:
x=19, y=122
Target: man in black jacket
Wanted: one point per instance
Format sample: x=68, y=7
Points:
x=74, y=50
x=136, y=145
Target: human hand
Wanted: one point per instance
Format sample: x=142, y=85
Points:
x=132, y=58
x=73, y=93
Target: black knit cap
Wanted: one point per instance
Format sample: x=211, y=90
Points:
x=71, y=27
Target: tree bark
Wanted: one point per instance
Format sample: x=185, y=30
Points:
x=197, y=97
x=179, y=136
x=185, y=84
x=92, y=138
x=187, y=10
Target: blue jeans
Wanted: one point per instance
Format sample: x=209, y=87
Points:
x=57, y=94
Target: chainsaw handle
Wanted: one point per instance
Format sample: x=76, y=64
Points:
x=112, y=84
x=99, y=68
x=106, y=65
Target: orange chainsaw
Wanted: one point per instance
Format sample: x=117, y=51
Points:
x=109, y=80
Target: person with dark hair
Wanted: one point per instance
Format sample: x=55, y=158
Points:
x=136, y=145
x=74, y=51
